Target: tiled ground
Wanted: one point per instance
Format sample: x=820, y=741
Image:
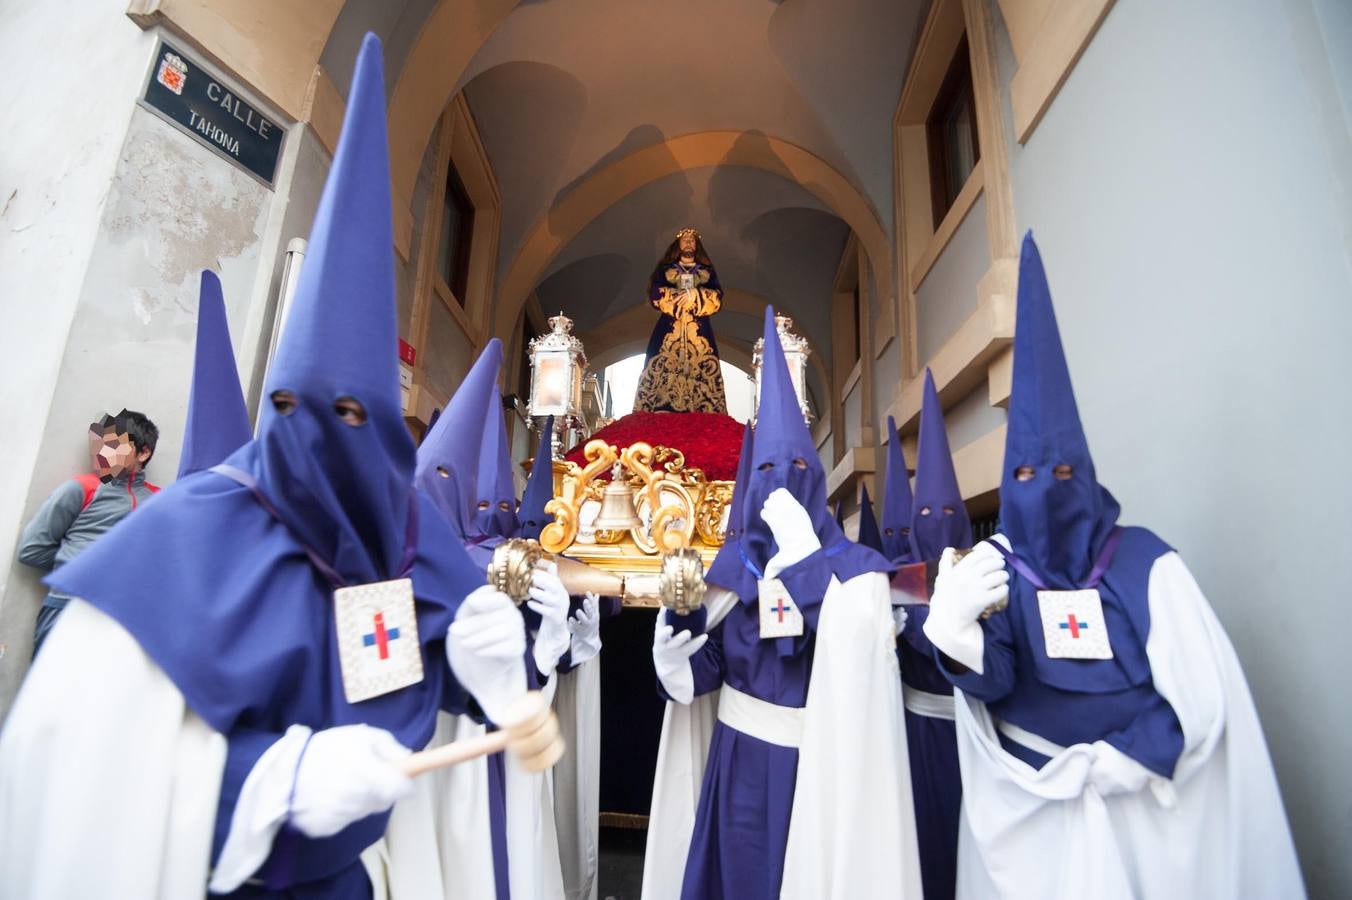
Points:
x=621, y=871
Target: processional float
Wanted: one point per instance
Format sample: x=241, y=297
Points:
x=633, y=522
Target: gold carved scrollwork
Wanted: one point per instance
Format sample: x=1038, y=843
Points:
x=709, y=513
x=672, y=525
x=566, y=507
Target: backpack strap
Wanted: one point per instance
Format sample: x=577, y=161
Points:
x=89, y=483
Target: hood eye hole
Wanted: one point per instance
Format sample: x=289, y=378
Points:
x=483, y=504
x=905, y=532
x=1063, y=472
x=925, y=510
x=504, y=506
x=284, y=402
x=887, y=531
x=800, y=463
x=350, y=411
x=443, y=472
x=765, y=466
x=948, y=510
x=1024, y=473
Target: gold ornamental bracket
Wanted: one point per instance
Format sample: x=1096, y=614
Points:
x=653, y=528
x=673, y=525
x=566, y=508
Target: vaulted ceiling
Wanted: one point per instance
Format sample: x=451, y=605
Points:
x=566, y=91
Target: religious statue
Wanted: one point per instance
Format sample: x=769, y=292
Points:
x=682, y=373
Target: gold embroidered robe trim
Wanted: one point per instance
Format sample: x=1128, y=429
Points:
x=684, y=375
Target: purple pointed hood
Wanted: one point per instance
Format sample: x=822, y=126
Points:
x=726, y=570
x=539, y=487
x=1056, y=522
x=241, y=562
x=218, y=419
x=940, y=517
x=783, y=455
x=495, y=491
x=448, y=460
x=897, y=504
x=869, y=535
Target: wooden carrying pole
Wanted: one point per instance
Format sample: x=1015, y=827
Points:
x=531, y=732
x=579, y=578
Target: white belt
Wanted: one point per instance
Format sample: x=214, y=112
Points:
x=1026, y=738
x=769, y=722
x=923, y=703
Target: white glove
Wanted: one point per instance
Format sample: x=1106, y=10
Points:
x=792, y=527
x=962, y=592
x=671, y=659
x=347, y=773
x=586, y=629
x=550, y=599
x=899, y=617
x=322, y=781
x=486, y=646
x=1113, y=772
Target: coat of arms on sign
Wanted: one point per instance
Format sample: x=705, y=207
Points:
x=173, y=72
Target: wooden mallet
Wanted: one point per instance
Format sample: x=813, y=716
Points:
x=530, y=731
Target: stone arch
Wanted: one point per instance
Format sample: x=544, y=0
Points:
x=604, y=187
x=453, y=33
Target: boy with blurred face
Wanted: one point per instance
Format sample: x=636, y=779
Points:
x=83, y=508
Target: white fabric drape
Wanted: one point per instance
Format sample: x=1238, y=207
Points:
x=1216, y=830
x=108, y=782
x=852, y=831
x=681, y=756
x=577, y=778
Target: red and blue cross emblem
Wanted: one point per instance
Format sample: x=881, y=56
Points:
x=780, y=608
x=1074, y=625
x=381, y=636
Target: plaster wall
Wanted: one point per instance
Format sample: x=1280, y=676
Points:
x=886, y=376
x=172, y=209
x=1189, y=188
x=56, y=172
x=948, y=295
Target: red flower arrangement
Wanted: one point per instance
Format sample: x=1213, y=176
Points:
x=710, y=441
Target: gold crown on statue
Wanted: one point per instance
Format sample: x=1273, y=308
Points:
x=687, y=231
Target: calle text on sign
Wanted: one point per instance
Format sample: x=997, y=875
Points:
x=196, y=101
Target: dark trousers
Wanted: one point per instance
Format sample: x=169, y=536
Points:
x=47, y=616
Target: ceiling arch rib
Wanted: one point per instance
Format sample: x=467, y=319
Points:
x=765, y=234
x=589, y=198
x=453, y=34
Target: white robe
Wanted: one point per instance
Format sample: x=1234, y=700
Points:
x=577, y=778
x=438, y=843
x=1216, y=830
x=852, y=828
x=532, y=842
x=97, y=712
x=439, y=840
x=108, y=782
x=682, y=753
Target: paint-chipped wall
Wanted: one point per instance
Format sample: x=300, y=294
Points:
x=172, y=209
x=60, y=148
